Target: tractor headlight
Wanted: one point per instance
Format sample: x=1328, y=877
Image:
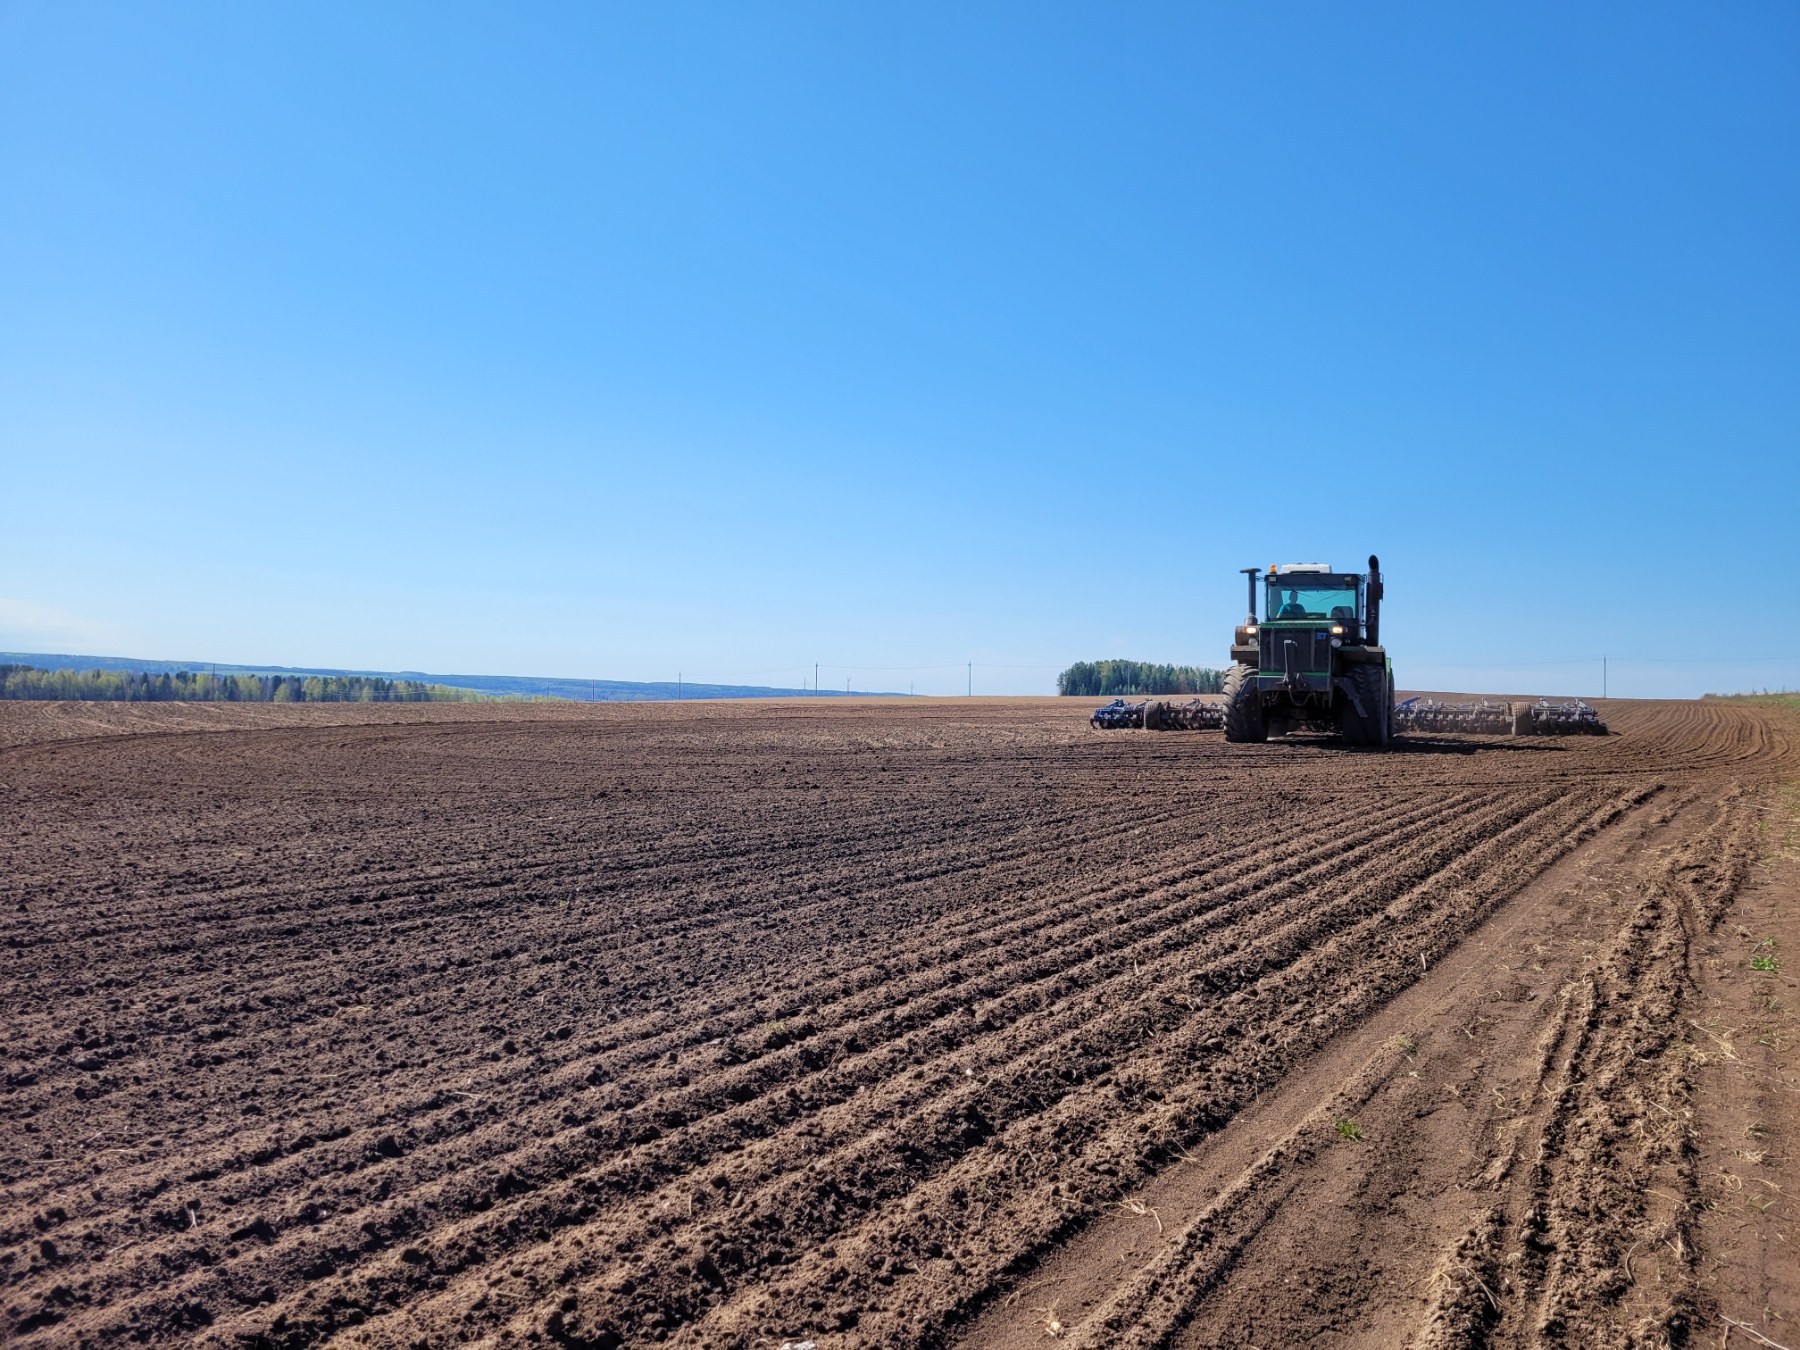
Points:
x=1337, y=630
x=1249, y=630
x=1337, y=642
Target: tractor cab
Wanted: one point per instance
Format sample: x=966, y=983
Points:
x=1313, y=594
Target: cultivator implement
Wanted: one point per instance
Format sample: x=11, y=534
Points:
x=1490, y=717
x=1158, y=715
x=1117, y=716
x=1542, y=718
x=1430, y=714
x=1545, y=718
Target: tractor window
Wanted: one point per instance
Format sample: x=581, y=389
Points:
x=1287, y=600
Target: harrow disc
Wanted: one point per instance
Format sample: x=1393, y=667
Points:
x=1158, y=715
x=1546, y=718
x=1193, y=715
x=1542, y=718
x=1430, y=714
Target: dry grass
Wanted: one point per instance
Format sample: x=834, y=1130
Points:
x=1141, y=1210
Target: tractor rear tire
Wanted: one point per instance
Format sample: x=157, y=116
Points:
x=1244, y=723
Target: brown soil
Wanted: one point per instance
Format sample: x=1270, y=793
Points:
x=878, y=1023
x=1747, y=1095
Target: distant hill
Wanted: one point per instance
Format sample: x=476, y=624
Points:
x=527, y=686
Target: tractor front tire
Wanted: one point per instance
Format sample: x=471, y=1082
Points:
x=1244, y=723
x=1373, y=726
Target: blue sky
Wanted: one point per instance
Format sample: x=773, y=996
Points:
x=624, y=340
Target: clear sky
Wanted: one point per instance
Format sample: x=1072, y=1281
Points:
x=622, y=340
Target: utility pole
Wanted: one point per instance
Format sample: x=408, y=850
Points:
x=815, y=677
x=846, y=684
x=678, y=684
x=971, y=679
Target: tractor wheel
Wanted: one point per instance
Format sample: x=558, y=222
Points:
x=1373, y=692
x=1243, y=706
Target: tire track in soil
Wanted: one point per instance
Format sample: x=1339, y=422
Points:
x=1574, y=1165
x=1335, y=994
x=1021, y=969
x=1614, y=1176
x=1226, y=1273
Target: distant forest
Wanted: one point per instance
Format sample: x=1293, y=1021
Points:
x=187, y=686
x=1088, y=678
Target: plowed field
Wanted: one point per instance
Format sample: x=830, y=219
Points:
x=862, y=1023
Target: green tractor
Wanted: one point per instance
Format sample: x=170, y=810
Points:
x=1315, y=661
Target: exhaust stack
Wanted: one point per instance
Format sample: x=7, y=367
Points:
x=1374, y=591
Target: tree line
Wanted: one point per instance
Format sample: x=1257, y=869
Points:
x=1090, y=678
x=188, y=686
